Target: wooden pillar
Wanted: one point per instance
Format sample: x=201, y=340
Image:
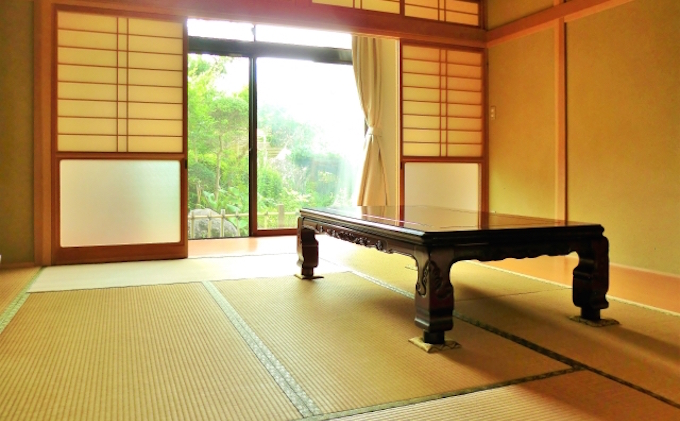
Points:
x=560, y=119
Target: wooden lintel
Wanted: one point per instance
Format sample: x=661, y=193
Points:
x=305, y=14
x=545, y=19
x=595, y=9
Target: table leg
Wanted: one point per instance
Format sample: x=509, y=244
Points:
x=591, y=279
x=434, y=294
x=308, y=250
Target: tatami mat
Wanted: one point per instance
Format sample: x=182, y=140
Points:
x=265, y=345
x=111, y=275
x=644, y=349
x=146, y=353
x=345, y=341
x=12, y=282
x=576, y=396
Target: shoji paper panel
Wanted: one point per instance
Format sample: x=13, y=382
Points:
x=119, y=85
x=386, y=6
x=442, y=97
x=452, y=11
x=457, y=185
x=114, y=202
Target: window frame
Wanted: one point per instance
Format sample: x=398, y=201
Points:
x=254, y=50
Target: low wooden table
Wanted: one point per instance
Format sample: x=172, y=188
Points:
x=438, y=237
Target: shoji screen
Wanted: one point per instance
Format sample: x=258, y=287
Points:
x=442, y=102
x=457, y=185
x=119, y=84
x=116, y=202
x=464, y=12
x=119, y=143
x=387, y=6
x=453, y=11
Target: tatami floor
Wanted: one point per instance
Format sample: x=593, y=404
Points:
x=231, y=334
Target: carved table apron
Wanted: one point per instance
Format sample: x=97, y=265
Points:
x=436, y=247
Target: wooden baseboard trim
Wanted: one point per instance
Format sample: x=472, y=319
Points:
x=634, y=269
x=20, y=265
x=669, y=276
x=634, y=285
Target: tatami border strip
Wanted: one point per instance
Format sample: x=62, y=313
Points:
x=12, y=310
x=284, y=379
x=528, y=344
x=633, y=386
x=414, y=401
x=16, y=304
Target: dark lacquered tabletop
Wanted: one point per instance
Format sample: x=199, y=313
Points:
x=436, y=219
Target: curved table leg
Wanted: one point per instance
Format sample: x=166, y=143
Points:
x=308, y=251
x=434, y=294
x=591, y=279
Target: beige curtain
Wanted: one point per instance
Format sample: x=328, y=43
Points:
x=366, y=61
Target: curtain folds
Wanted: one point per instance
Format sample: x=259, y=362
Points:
x=366, y=62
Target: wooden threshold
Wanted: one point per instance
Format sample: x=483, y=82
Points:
x=243, y=246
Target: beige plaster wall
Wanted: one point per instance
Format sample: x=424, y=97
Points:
x=16, y=131
x=522, y=136
x=623, y=75
x=623, y=126
x=500, y=12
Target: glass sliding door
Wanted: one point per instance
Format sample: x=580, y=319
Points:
x=275, y=124
x=310, y=138
x=219, y=148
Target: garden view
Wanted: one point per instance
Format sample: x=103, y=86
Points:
x=309, y=141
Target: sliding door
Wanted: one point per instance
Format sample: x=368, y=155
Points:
x=219, y=146
x=310, y=134
x=119, y=150
x=442, y=126
x=275, y=124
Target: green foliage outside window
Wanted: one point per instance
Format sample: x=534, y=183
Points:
x=219, y=149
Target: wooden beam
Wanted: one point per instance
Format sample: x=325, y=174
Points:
x=42, y=123
x=303, y=13
x=595, y=9
x=569, y=11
